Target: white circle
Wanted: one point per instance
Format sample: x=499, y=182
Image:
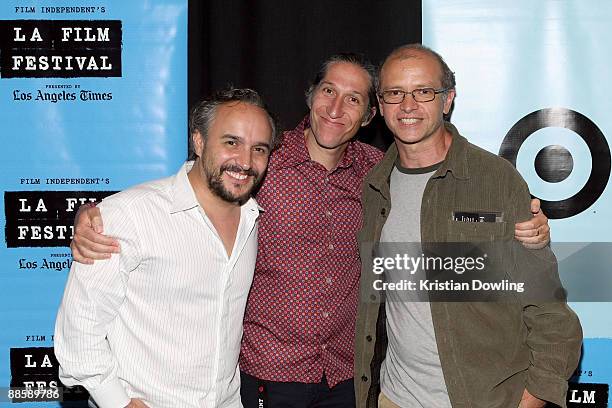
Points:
x=570, y=141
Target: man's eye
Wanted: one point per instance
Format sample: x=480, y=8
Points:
x=395, y=92
x=231, y=142
x=425, y=91
x=354, y=100
x=328, y=91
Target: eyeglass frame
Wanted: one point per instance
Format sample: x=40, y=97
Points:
x=436, y=92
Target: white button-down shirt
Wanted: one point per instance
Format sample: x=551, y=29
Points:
x=162, y=320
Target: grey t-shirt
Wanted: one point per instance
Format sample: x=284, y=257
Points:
x=411, y=374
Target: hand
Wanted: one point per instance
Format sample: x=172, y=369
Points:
x=88, y=242
x=529, y=401
x=535, y=233
x=136, y=403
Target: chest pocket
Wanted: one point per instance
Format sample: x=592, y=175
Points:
x=460, y=231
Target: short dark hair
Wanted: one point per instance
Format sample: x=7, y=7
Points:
x=448, y=76
x=351, y=58
x=203, y=114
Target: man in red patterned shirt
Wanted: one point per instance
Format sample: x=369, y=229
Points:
x=299, y=325
x=300, y=318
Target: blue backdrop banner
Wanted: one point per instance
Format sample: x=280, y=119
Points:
x=92, y=100
x=531, y=86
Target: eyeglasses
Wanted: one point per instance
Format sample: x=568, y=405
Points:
x=395, y=96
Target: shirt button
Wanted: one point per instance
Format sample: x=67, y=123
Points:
x=325, y=314
x=329, y=280
x=328, y=213
x=369, y=338
x=327, y=179
x=331, y=246
x=364, y=378
x=324, y=346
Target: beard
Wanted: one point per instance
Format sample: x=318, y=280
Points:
x=214, y=178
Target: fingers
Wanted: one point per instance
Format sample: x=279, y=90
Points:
x=532, y=236
x=540, y=219
x=529, y=401
x=136, y=403
x=78, y=257
x=528, y=229
x=90, y=250
x=86, y=235
x=535, y=206
x=93, y=245
x=534, y=233
x=87, y=245
x=95, y=219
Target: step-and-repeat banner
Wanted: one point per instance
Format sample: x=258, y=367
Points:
x=532, y=85
x=92, y=100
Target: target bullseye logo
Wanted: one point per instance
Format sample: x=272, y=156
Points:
x=554, y=163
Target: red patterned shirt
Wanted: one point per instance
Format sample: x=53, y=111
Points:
x=300, y=316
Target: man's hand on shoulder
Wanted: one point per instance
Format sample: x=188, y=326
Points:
x=534, y=233
x=529, y=401
x=88, y=243
x=136, y=403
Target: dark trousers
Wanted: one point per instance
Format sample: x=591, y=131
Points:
x=257, y=393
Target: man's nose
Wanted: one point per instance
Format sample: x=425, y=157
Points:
x=334, y=110
x=244, y=159
x=409, y=104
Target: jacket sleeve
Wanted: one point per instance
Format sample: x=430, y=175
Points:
x=92, y=298
x=554, y=334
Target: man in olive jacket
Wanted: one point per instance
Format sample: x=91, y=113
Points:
x=459, y=354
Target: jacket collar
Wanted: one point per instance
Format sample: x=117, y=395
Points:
x=456, y=157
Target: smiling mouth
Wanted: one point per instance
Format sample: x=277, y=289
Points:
x=235, y=175
x=409, y=121
x=331, y=122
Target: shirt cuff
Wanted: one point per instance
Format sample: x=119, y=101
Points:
x=110, y=394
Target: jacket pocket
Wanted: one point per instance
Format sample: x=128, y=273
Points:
x=459, y=231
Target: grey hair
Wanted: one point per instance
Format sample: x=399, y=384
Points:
x=351, y=58
x=203, y=114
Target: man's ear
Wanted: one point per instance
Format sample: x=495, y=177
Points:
x=368, y=119
x=198, y=143
x=450, y=96
x=380, y=105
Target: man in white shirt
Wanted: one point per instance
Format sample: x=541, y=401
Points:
x=160, y=324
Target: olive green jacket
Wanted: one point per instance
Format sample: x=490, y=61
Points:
x=489, y=351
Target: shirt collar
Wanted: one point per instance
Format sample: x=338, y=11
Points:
x=294, y=151
x=184, y=198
